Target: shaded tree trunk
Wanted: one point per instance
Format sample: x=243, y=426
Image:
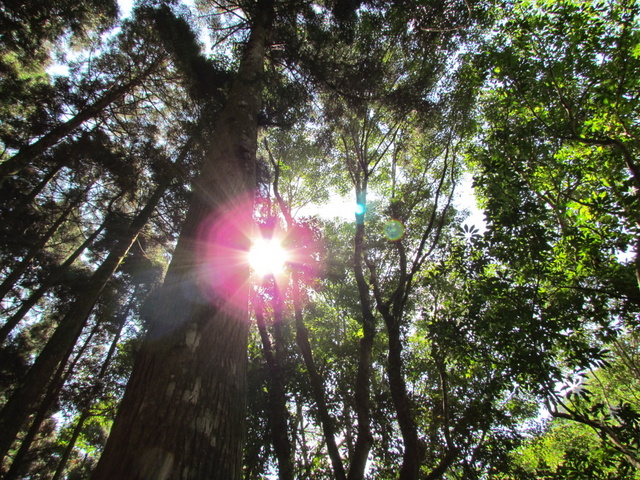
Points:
x=28, y=199
x=59, y=379
x=317, y=385
x=183, y=413
x=364, y=440
x=86, y=412
x=413, y=451
x=278, y=414
x=302, y=340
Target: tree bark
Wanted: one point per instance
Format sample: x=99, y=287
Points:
x=57, y=382
x=413, y=452
x=183, y=413
x=86, y=412
x=317, y=385
x=17, y=463
x=302, y=340
x=364, y=440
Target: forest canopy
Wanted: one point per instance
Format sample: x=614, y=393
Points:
x=180, y=297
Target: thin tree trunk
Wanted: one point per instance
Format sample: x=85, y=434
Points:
x=77, y=430
x=17, y=463
x=17, y=272
x=56, y=351
x=183, y=413
x=278, y=414
x=86, y=412
x=57, y=382
x=31, y=196
x=48, y=282
x=317, y=385
x=413, y=452
x=51, y=280
x=302, y=340
x=27, y=154
x=304, y=449
x=364, y=440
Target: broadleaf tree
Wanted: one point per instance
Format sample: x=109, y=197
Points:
x=397, y=341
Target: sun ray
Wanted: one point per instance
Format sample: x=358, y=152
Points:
x=267, y=257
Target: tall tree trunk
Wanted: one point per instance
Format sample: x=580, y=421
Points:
x=278, y=414
x=17, y=464
x=304, y=448
x=57, y=382
x=183, y=413
x=86, y=412
x=317, y=385
x=302, y=340
x=27, y=396
x=27, y=154
x=413, y=451
x=364, y=440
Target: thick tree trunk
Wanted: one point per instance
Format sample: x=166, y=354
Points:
x=183, y=413
x=27, y=396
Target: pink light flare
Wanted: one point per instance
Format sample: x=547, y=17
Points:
x=223, y=242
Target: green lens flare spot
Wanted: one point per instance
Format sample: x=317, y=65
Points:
x=359, y=209
x=393, y=230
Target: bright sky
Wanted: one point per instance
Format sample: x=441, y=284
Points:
x=125, y=7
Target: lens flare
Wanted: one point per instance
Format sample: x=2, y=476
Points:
x=267, y=257
x=394, y=230
x=224, y=238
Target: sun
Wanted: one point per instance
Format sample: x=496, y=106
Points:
x=267, y=257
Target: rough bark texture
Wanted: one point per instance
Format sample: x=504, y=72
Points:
x=183, y=413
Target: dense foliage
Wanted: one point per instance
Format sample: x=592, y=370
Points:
x=399, y=340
